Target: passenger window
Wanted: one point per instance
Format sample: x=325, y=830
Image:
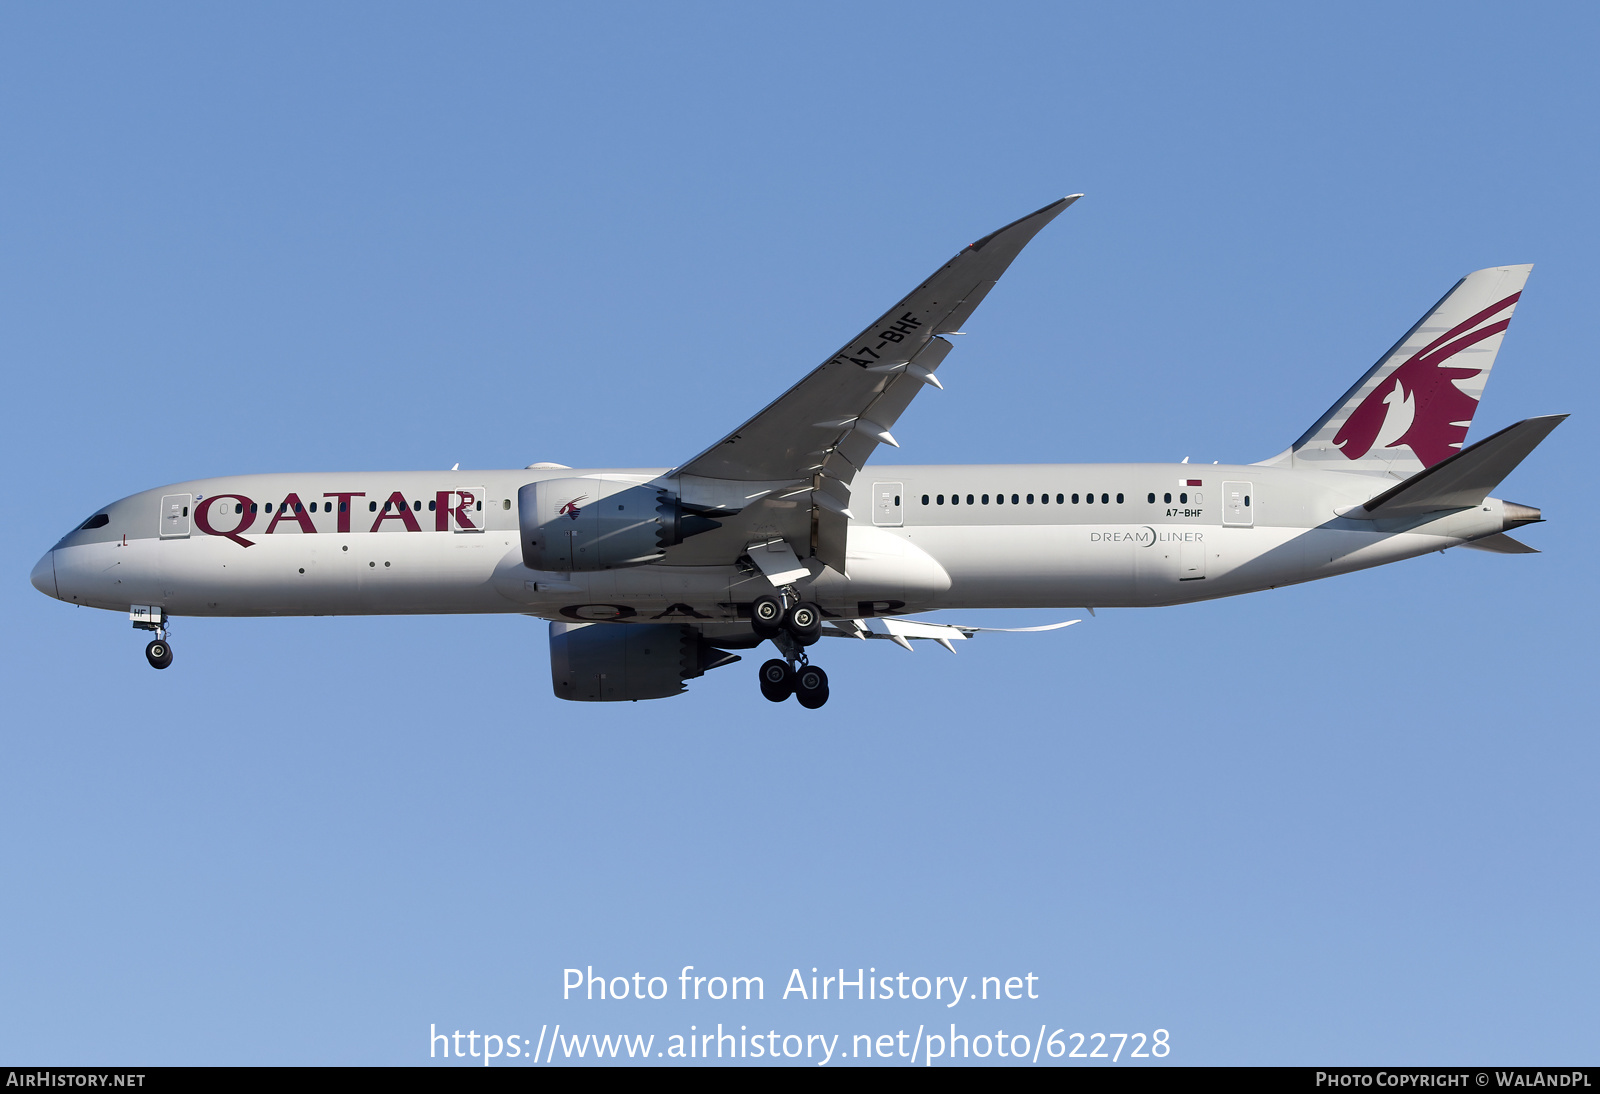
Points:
x=1030, y=499
x=969, y=499
x=1105, y=499
x=432, y=506
x=1167, y=498
x=941, y=499
x=1089, y=498
x=1183, y=499
x=253, y=507
x=505, y=504
x=1013, y=499
x=1152, y=499
x=986, y=499
x=1060, y=502
x=238, y=509
x=1247, y=501
x=343, y=505
x=479, y=507
x=955, y=499
x=999, y=499
x=298, y=508
x=924, y=499
x=1074, y=499
x=269, y=507
x=1044, y=499
x=372, y=507
x=1119, y=499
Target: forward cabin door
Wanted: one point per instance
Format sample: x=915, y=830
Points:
x=175, y=515
x=887, y=510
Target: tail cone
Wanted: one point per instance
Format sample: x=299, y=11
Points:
x=1518, y=515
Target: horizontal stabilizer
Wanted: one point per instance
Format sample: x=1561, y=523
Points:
x=1502, y=544
x=1466, y=478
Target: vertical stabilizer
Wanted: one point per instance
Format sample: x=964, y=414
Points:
x=1413, y=408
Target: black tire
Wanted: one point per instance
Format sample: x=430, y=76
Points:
x=811, y=686
x=158, y=653
x=777, y=681
x=766, y=616
x=813, y=700
x=804, y=621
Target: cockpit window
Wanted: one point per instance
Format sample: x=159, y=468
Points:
x=99, y=520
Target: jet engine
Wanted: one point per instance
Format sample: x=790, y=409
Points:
x=612, y=662
x=601, y=524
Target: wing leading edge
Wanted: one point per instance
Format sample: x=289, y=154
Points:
x=807, y=445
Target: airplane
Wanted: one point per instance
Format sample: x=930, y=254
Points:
x=651, y=577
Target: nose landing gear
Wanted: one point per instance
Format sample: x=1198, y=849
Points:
x=159, y=654
x=145, y=618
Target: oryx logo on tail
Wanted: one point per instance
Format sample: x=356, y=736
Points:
x=1413, y=408
x=1419, y=404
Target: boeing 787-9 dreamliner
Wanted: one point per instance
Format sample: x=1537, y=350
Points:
x=782, y=532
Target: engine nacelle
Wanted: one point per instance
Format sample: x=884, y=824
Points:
x=614, y=662
x=601, y=524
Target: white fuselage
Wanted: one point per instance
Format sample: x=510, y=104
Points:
x=1003, y=536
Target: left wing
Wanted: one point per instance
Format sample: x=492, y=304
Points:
x=900, y=631
x=806, y=447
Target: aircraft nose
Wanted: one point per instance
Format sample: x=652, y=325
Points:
x=44, y=575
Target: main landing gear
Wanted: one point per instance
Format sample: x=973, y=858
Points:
x=791, y=629
x=159, y=651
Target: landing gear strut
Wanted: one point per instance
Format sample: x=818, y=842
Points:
x=159, y=651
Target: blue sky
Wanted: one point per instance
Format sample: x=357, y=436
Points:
x=291, y=237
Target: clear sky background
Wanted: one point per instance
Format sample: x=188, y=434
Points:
x=399, y=236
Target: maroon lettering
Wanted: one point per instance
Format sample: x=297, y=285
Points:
x=441, y=511
x=292, y=509
x=402, y=513
x=467, y=498
x=247, y=517
x=344, y=508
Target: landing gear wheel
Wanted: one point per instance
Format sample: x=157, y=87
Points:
x=811, y=686
x=804, y=621
x=766, y=616
x=777, y=680
x=158, y=653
